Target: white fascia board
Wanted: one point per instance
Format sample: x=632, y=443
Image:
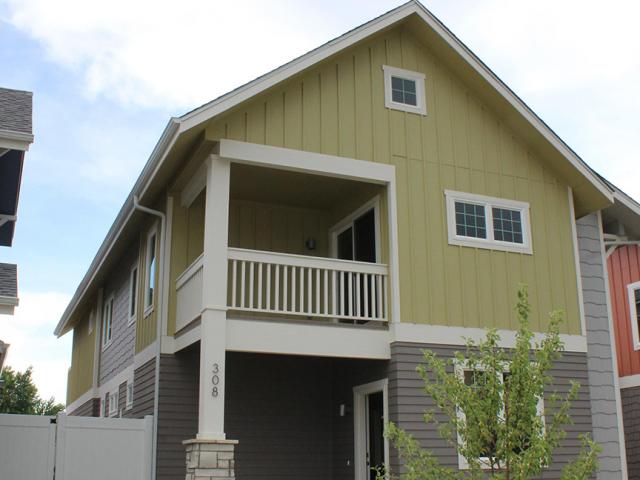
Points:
x=9, y=301
x=15, y=140
x=630, y=381
x=307, y=162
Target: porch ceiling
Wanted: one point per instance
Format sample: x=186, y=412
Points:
x=294, y=189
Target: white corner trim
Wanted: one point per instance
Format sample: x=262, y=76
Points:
x=633, y=313
x=576, y=259
x=488, y=203
x=308, y=162
x=443, y=335
x=630, y=381
x=418, y=78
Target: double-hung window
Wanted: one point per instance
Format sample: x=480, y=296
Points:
x=107, y=322
x=150, y=272
x=113, y=404
x=634, y=312
x=488, y=222
x=404, y=90
x=475, y=378
x=129, y=402
x=133, y=293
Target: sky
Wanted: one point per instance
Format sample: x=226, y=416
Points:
x=107, y=75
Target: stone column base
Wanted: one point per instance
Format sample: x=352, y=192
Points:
x=210, y=459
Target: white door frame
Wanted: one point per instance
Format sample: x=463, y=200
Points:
x=347, y=221
x=360, y=393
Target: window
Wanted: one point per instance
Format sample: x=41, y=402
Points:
x=107, y=320
x=478, y=378
x=113, y=404
x=133, y=293
x=129, y=394
x=488, y=222
x=150, y=273
x=404, y=90
x=634, y=311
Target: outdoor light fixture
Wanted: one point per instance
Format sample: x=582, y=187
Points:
x=310, y=243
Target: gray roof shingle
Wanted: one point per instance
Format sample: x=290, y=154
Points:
x=8, y=280
x=15, y=110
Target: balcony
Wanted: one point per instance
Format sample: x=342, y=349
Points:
x=278, y=285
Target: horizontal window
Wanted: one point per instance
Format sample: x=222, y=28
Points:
x=404, y=90
x=488, y=222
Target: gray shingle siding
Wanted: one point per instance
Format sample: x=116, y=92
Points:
x=600, y=359
x=631, y=415
x=8, y=280
x=119, y=355
x=15, y=110
x=407, y=403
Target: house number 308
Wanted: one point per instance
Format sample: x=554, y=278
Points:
x=215, y=380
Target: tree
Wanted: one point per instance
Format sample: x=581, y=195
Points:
x=18, y=394
x=490, y=397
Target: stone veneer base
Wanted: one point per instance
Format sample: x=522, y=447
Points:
x=210, y=459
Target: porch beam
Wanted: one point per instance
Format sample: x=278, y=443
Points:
x=214, y=300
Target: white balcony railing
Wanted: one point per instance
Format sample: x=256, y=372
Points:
x=189, y=294
x=305, y=286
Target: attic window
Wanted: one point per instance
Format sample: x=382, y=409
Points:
x=404, y=90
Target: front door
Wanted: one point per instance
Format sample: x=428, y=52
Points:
x=375, y=434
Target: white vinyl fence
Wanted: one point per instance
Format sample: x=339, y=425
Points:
x=74, y=448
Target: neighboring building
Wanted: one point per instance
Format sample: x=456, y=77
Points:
x=291, y=247
x=15, y=138
x=621, y=226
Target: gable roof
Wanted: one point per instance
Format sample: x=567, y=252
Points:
x=590, y=191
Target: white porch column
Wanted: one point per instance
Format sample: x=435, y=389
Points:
x=214, y=301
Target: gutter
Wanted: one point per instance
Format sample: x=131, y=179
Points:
x=166, y=141
x=159, y=317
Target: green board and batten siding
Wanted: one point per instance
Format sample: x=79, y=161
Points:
x=80, y=375
x=338, y=108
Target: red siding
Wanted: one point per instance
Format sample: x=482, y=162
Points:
x=624, y=268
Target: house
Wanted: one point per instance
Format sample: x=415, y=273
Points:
x=15, y=138
x=621, y=228
x=291, y=247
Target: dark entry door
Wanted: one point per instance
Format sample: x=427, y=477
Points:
x=358, y=240
x=375, y=434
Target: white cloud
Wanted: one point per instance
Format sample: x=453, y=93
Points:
x=177, y=54
x=30, y=335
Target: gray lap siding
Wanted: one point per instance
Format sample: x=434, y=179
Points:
x=119, y=354
x=631, y=415
x=91, y=408
x=408, y=402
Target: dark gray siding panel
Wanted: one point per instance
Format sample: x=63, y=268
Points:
x=177, y=411
x=90, y=408
x=407, y=403
x=631, y=415
x=119, y=355
x=600, y=357
x=143, y=390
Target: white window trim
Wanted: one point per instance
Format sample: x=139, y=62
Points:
x=360, y=393
x=113, y=396
x=133, y=299
x=419, y=78
x=104, y=341
x=347, y=222
x=148, y=308
x=488, y=203
x=129, y=401
x=460, y=368
x=633, y=313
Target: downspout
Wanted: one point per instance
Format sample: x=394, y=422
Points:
x=156, y=392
